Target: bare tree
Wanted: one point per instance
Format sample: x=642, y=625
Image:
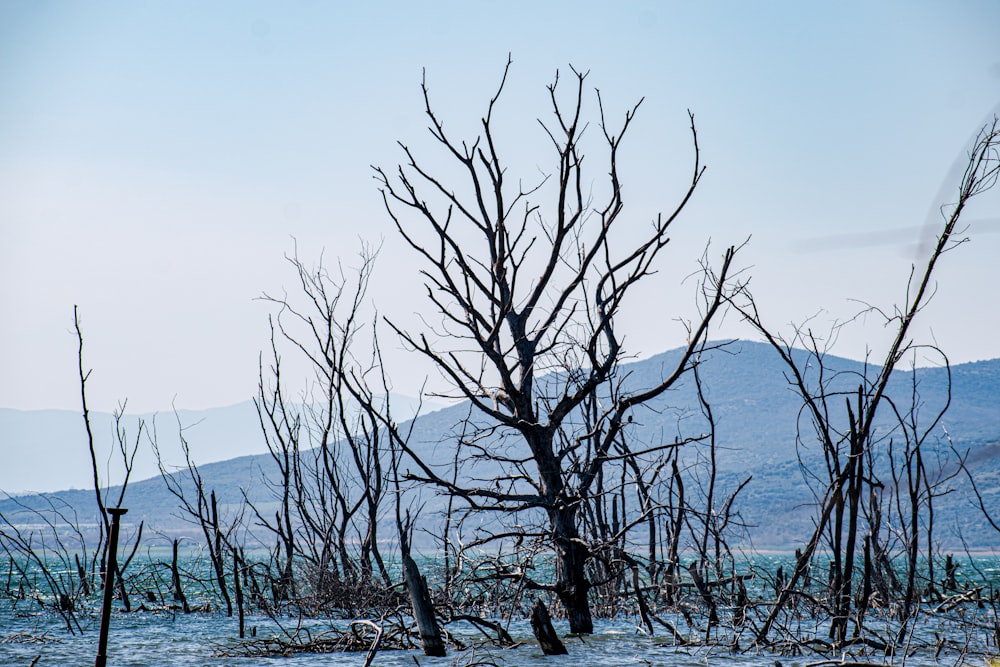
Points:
x=200, y=507
x=848, y=435
x=327, y=443
x=49, y=539
x=528, y=294
x=126, y=449
x=42, y=545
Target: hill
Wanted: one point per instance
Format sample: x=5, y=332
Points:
x=757, y=418
x=59, y=438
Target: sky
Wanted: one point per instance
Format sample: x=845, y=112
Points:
x=159, y=161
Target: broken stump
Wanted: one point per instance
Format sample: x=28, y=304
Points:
x=541, y=625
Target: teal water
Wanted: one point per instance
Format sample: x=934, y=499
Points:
x=140, y=638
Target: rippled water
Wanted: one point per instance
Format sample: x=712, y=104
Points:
x=164, y=638
x=193, y=639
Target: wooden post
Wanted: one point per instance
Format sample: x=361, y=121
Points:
x=541, y=625
x=109, y=586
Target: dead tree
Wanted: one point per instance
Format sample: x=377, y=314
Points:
x=420, y=597
x=326, y=436
x=126, y=450
x=175, y=580
x=50, y=540
x=847, y=435
x=528, y=282
x=200, y=507
x=40, y=543
x=541, y=626
x=920, y=473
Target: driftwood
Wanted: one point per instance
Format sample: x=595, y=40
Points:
x=713, y=583
x=541, y=625
x=376, y=643
x=953, y=601
x=362, y=636
x=503, y=637
x=841, y=663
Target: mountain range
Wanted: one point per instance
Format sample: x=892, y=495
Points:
x=59, y=439
x=757, y=417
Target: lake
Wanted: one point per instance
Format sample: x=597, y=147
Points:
x=163, y=637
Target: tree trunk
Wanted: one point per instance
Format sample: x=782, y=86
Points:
x=122, y=592
x=175, y=576
x=85, y=583
x=706, y=594
x=217, y=557
x=239, y=592
x=572, y=585
x=541, y=625
x=423, y=610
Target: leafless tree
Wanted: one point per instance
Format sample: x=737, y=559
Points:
x=327, y=443
x=199, y=506
x=50, y=538
x=43, y=545
x=842, y=414
x=126, y=449
x=528, y=282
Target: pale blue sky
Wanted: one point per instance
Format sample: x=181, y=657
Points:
x=156, y=159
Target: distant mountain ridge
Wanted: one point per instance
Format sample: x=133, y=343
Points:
x=59, y=438
x=756, y=414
